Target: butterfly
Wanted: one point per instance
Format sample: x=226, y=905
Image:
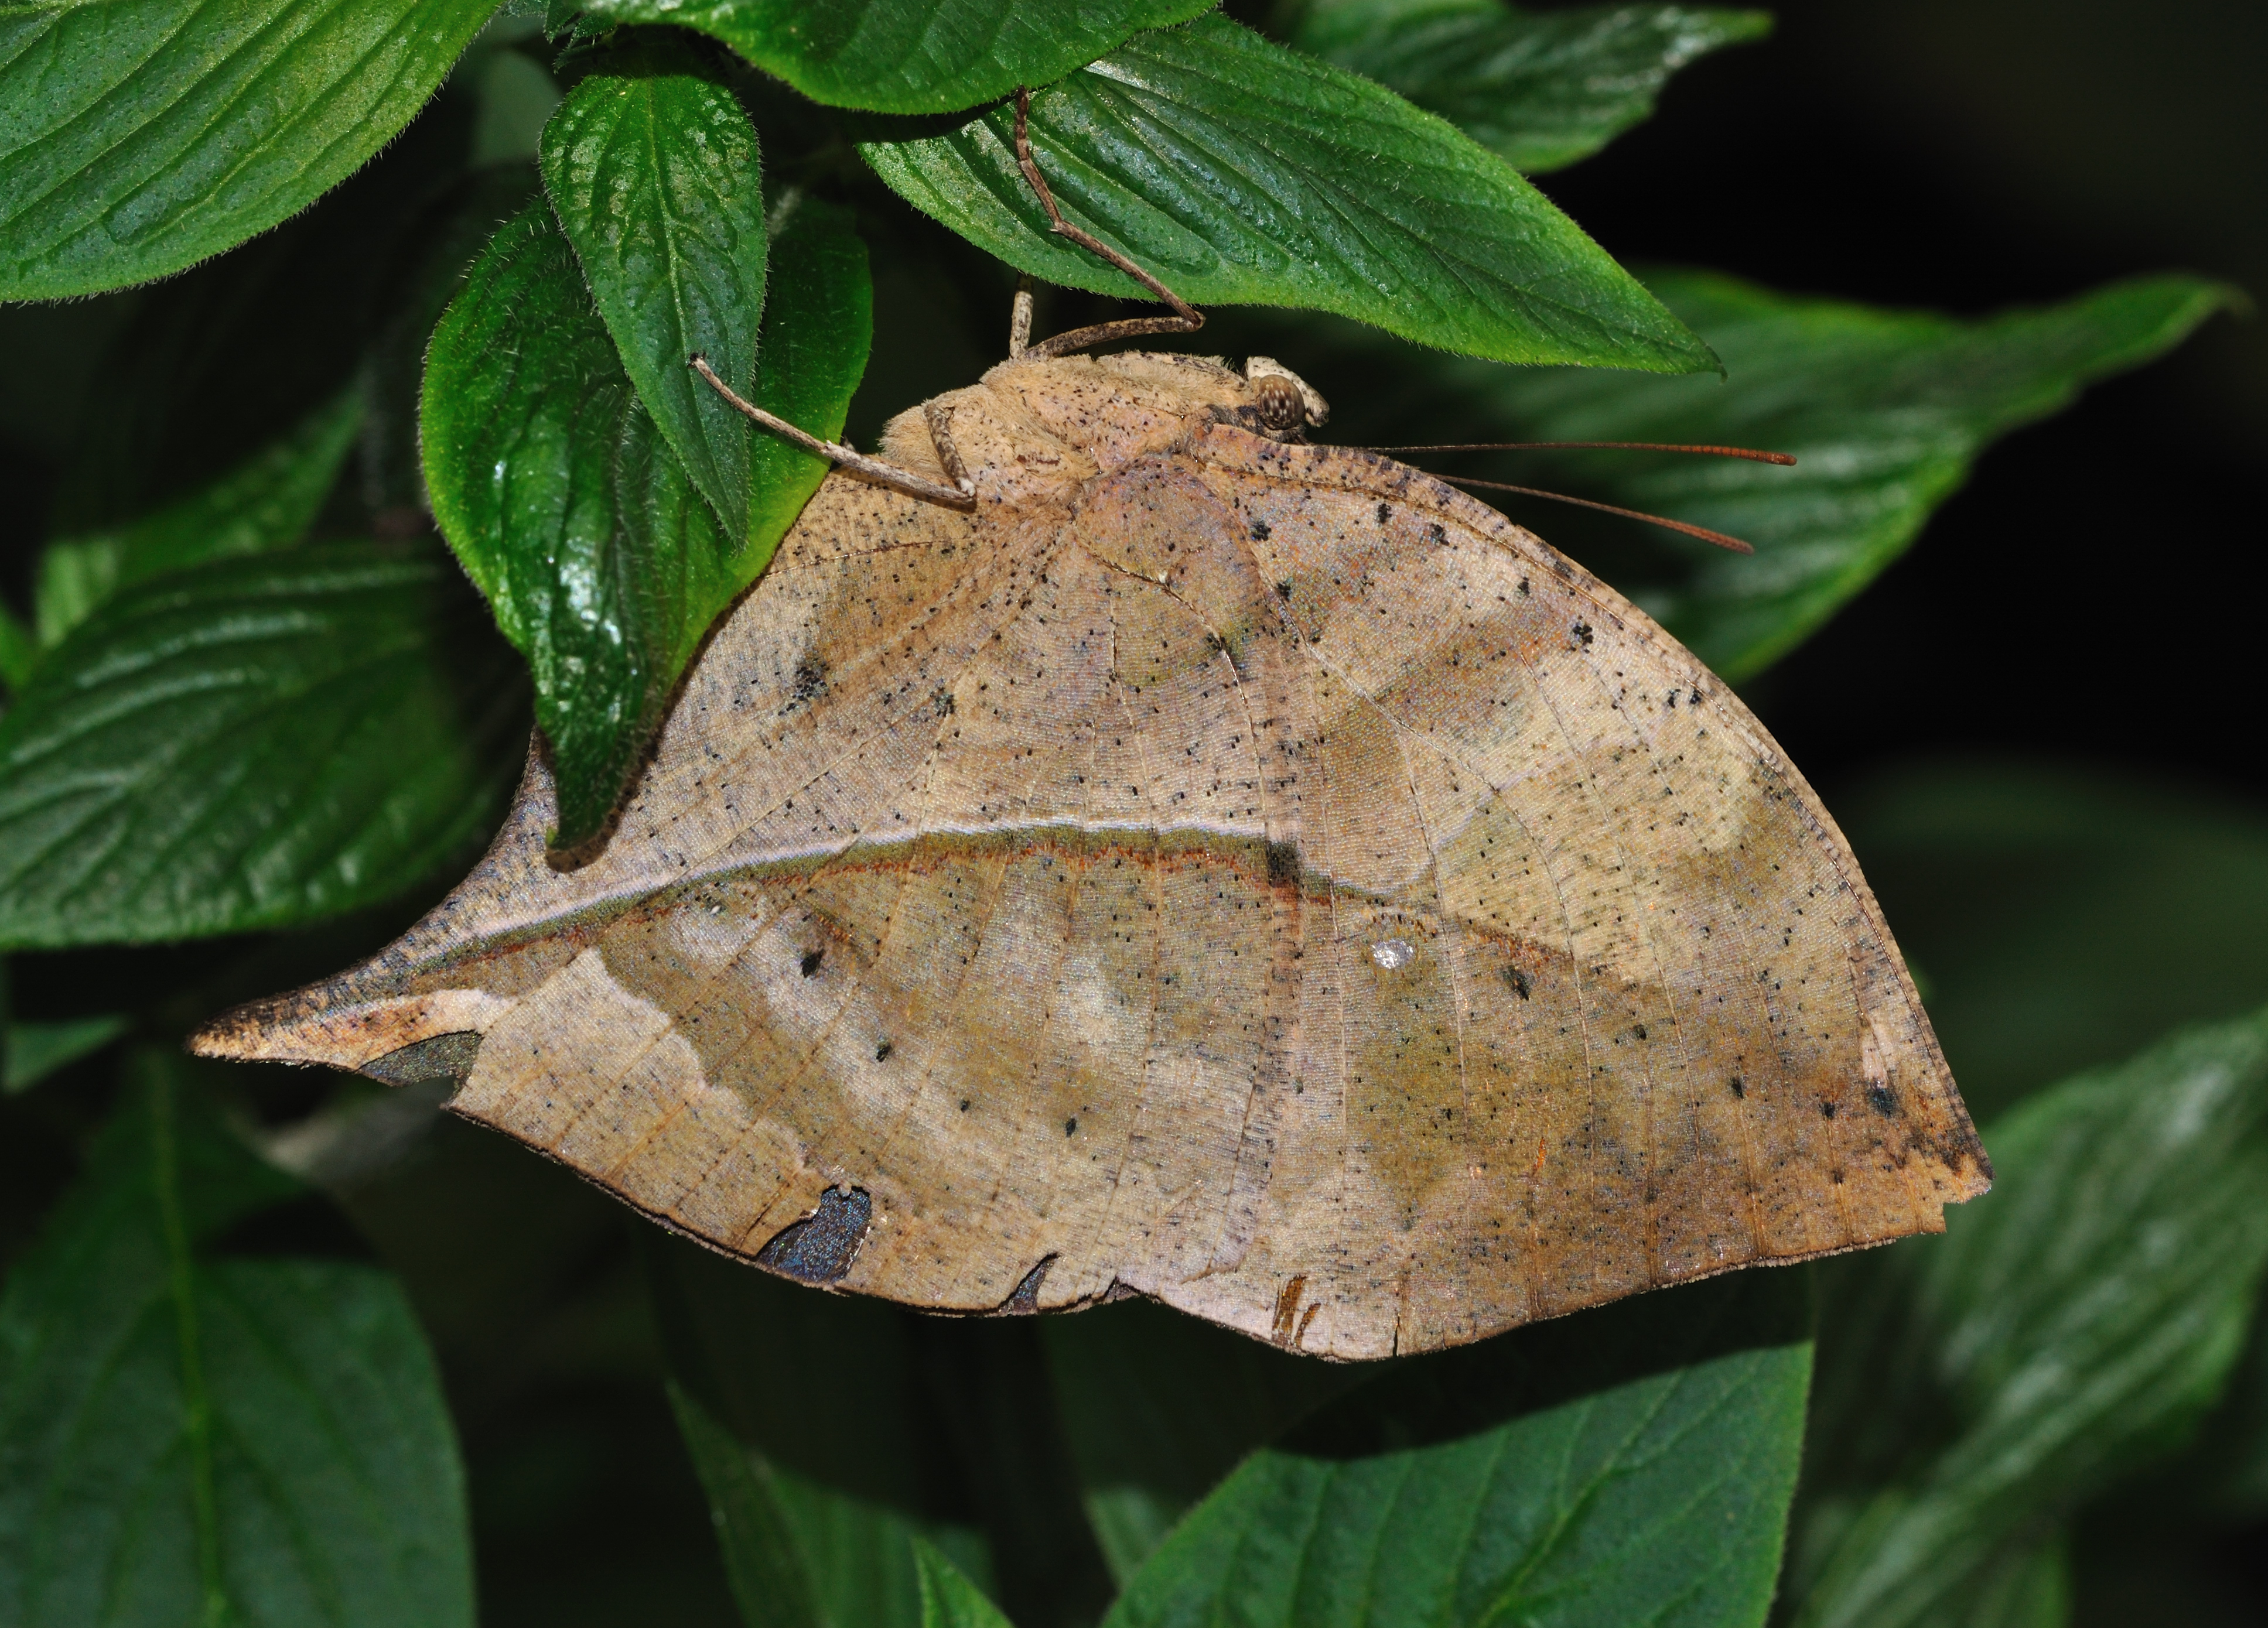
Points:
x=1121, y=848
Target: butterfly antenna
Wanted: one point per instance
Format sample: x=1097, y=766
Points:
x=1701, y=531
x=1749, y=453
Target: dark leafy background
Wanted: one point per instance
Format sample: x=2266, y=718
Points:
x=1934, y=224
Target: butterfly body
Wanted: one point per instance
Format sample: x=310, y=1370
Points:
x=1252, y=875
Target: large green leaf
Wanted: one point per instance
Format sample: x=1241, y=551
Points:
x=1975, y=1389
x=139, y=137
x=908, y=55
x=654, y=175
x=1629, y=1465
x=189, y=1434
x=1540, y=89
x=250, y=742
x=603, y=562
x=264, y=503
x=948, y=1598
x=1885, y=411
x=1241, y=172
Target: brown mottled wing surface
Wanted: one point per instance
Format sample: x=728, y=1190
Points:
x=1260, y=877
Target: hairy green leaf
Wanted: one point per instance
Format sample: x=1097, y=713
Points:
x=1632, y=1465
x=603, y=562
x=804, y=1414
x=192, y=1434
x=908, y=55
x=1885, y=411
x=653, y=173
x=37, y=1050
x=1976, y=1389
x=1540, y=88
x=1241, y=172
x=265, y=503
x=948, y=1599
x=250, y=742
x=139, y=137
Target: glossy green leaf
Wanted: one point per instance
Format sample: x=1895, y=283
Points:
x=190, y=1433
x=603, y=564
x=1241, y=172
x=139, y=137
x=250, y=743
x=1977, y=1388
x=1631, y=1464
x=264, y=503
x=1540, y=88
x=908, y=55
x=37, y=1050
x=1885, y=411
x=806, y=1419
x=948, y=1599
x=2064, y=916
x=653, y=173
x=1159, y=1407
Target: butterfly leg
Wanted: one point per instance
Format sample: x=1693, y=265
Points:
x=961, y=495
x=1187, y=318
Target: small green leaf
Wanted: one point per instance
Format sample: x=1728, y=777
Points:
x=603, y=564
x=264, y=504
x=1631, y=1464
x=908, y=55
x=1540, y=88
x=653, y=173
x=37, y=1050
x=139, y=137
x=806, y=1419
x=250, y=742
x=1977, y=1388
x=1885, y=411
x=948, y=1599
x=1239, y=173
x=192, y=1435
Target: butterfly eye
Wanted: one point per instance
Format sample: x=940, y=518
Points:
x=1277, y=403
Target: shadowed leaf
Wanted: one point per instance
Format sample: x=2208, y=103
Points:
x=1241, y=172
x=1540, y=88
x=250, y=743
x=189, y=1434
x=1972, y=1392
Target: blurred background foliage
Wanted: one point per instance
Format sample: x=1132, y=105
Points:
x=2037, y=726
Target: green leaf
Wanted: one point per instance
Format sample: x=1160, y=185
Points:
x=37, y=1050
x=139, y=137
x=1631, y=1464
x=603, y=564
x=188, y=1434
x=948, y=1599
x=19, y=649
x=1239, y=173
x=654, y=175
x=264, y=503
x=2064, y=916
x=1885, y=411
x=1976, y=1389
x=908, y=55
x=806, y=1419
x=1540, y=88
x=1157, y=1408
x=250, y=743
